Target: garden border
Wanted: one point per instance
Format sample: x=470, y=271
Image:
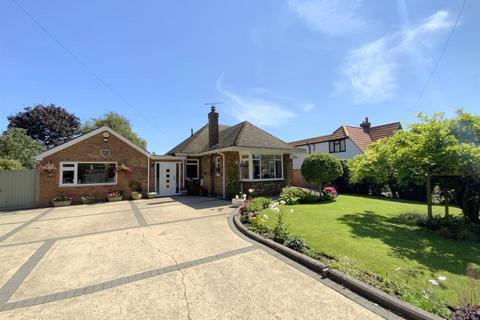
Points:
x=365, y=290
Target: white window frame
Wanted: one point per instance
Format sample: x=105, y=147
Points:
x=250, y=166
x=197, y=162
x=75, y=174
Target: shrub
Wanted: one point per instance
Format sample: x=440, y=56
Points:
x=412, y=219
x=467, y=235
x=263, y=202
x=280, y=233
x=321, y=168
x=296, y=195
x=10, y=164
x=259, y=223
x=444, y=232
x=292, y=195
x=252, y=206
x=135, y=186
x=468, y=312
x=296, y=243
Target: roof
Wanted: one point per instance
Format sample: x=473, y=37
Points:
x=85, y=136
x=358, y=136
x=243, y=134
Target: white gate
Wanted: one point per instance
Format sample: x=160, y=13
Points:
x=18, y=189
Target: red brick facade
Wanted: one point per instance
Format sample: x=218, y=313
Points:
x=89, y=150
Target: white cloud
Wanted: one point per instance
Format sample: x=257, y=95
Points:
x=308, y=107
x=258, y=111
x=371, y=71
x=332, y=17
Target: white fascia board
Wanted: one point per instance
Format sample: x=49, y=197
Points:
x=83, y=137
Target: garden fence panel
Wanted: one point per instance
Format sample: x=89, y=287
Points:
x=18, y=189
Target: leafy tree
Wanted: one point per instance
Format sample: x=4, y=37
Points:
x=15, y=144
x=10, y=164
x=118, y=123
x=428, y=150
x=321, y=168
x=50, y=125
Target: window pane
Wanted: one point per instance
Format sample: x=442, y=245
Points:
x=330, y=146
x=278, y=169
x=67, y=177
x=96, y=173
x=68, y=165
x=256, y=169
x=192, y=170
x=268, y=166
x=244, y=167
x=256, y=156
x=342, y=145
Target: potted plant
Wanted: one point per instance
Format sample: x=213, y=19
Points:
x=49, y=168
x=123, y=168
x=136, y=188
x=239, y=200
x=151, y=195
x=62, y=201
x=115, y=196
x=88, y=198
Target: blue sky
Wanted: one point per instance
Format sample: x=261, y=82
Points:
x=296, y=68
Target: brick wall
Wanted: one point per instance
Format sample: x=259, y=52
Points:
x=89, y=150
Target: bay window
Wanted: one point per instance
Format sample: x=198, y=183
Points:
x=87, y=173
x=261, y=166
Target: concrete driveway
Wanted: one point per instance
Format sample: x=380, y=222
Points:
x=168, y=258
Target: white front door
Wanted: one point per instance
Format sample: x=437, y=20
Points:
x=167, y=178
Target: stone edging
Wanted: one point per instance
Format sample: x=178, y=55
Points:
x=371, y=293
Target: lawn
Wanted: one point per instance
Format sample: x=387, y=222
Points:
x=365, y=231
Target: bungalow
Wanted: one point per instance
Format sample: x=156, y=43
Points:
x=216, y=160
x=344, y=143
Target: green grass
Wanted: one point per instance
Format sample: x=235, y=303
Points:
x=364, y=230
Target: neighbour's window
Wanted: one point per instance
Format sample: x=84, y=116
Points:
x=336, y=146
x=192, y=169
x=265, y=166
x=87, y=173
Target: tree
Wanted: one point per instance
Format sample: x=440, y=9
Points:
x=10, y=164
x=429, y=150
x=50, y=125
x=118, y=123
x=15, y=144
x=321, y=168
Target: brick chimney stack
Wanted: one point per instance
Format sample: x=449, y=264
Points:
x=212, y=127
x=366, y=125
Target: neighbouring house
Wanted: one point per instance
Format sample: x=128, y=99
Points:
x=344, y=143
x=216, y=160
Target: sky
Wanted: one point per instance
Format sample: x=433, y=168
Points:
x=295, y=68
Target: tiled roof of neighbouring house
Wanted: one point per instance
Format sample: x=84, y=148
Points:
x=358, y=135
x=243, y=134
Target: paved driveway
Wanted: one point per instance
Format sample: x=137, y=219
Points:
x=152, y=259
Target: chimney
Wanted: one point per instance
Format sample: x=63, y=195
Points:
x=191, y=132
x=365, y=125
x=212, y=127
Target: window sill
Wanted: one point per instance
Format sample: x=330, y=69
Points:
x=87, y=185
x=261, y=180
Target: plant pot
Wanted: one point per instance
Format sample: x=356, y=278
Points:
x=62, y=203
x=88, y=201
x=113, y=199
x=136, y=195
x=151, y=195
x=237, y=202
